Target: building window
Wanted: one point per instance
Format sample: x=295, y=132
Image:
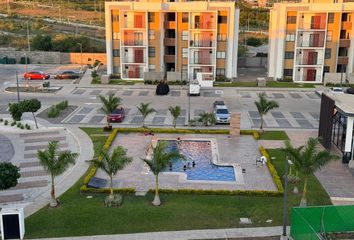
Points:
x=185, y=52
x=220, y=55
x=151, y=17
x=291, y=20
x=184, y=17
x=185, y=35
x=116, y=53
x=151, y=51
x=115, y=35
x=289, y=55
x=329, y=36
x=328, y=52
x=151, y=34
x=290, y=37
x=116, y=69
x=222, y=19
x=220, y=72
x=288, y=72
x=152, y=68
x=326, y=69
x=330, y=17
x=221, y=37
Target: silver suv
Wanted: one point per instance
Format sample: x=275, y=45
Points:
x=221, y=113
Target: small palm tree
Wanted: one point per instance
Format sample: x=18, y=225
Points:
x=111, y=164
x=145, y=110
x=175, y=112
x=264, y=106
x=207, y=118
x=109, y=105
x=55, y=162
x=307, y=160
x=160, y=160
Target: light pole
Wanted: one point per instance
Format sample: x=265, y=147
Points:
x=18, y=91
x=27, y=58
x=341, y=74
x=285, y=208
x=80, y=44
x=189, y=101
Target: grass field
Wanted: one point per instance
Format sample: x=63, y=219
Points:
x=79, y=215
x=274, y=135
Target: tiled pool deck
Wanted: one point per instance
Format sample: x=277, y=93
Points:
x=237, y=150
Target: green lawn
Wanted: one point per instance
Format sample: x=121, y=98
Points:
x=235, y=84
x=81, y=216
x=277, y=84
x=274, y=135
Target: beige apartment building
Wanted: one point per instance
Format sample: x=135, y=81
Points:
x=311, y=41
x=185, y=40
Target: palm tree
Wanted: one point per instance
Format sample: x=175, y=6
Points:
x=264, y=106
x=307, y=160
x=145, y=110
x=111, y=164
x=207, y=118
x=175, y=112
x=109, y=105
x=55, y=162
x=160, y=160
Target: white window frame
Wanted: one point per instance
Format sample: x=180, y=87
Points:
x=184, y=52
x=290, y=37
x=185, y=35
x=220, y=55
x=152, y=68
x=222, y=37
x=151, y=34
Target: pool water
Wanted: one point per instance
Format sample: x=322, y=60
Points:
x=200, y=152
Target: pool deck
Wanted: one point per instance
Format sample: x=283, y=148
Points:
x=241, y=151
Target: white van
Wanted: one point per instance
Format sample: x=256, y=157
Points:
x=194, y=88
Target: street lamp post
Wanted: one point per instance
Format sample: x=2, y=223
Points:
x=189, y=101
x=341, y=75
x=80, y=44
x=285, y=209
x=18, y=91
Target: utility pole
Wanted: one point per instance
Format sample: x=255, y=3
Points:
x=341, y=74
x=29, y=50
x=18, y=91
x=285, y=208
x=80, y=44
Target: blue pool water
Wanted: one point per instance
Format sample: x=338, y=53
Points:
x=200, y=153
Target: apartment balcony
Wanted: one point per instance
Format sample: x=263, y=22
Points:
x=170, y=24
x=309, y=61
x=169, y=41
x=170, y=58
x=318, y=43
x=132, y=72
x=342, y=60
x=201, y=61
x=346, y=25
x=344, y=43
x=133, y=43
x=202, y=43
x=134, y=24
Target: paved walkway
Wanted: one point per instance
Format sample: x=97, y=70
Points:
x=188, y=235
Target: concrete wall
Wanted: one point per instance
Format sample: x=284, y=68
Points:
x=55, y=57
x=159, y=76
x=335, y=78
x=252, y=62
x=173, y=76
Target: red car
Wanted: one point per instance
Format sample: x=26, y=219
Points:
x=36, y=75
x=117, y=115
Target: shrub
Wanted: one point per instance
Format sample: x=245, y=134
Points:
x=19, y=125
x=22, y=127
x=62, y=105
x=148, y=82
x=28, y=127
x=9, y=175
x=96, y=63
x=221, y=79
x=53, y=112
x=286, y=79
x=6, y=122
x=255, y=42
x=1, y=120
x=46, y=84
x=114, y=76
x=94, y=74
x=13, y=123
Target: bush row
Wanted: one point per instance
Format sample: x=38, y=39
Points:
x=93, y=169
x=272, y=170
x=54, y=110
x=18, y=124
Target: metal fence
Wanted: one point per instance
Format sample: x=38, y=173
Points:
x=312, y=223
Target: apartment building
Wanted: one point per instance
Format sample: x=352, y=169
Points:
x=311, y=41
x=183, y=38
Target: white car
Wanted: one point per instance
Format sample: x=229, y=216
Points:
x=221, y=113
x=194, y=89
x=336, y=90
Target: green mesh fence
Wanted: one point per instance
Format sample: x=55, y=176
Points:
x=309, y=223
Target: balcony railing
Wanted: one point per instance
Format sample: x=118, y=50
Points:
x=133, y=42
x=202, y=43
x=313, y=26
x=309, y=61
x=343, y=60
x=344, y=43
x=318, y=43
x=132, y=24
x=130, y=59
x=170, y=58
x=170, y=41
x=201, y=61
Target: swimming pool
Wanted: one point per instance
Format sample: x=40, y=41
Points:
x=201, y=153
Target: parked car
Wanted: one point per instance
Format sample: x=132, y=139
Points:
x=34, y=75
x=221, y=112
x=194, y=88
x=117, y=115
x=336, y=90
x=350, y=90
x=67, y=75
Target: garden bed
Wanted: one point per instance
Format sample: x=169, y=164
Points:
x=62, y=115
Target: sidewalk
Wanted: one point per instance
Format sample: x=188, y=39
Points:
x=189, y=235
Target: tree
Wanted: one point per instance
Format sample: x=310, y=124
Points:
x=111, y=164
x=175, y=112
x=264, y=106
x=42, y=42
x=32, y=105
x=160, y=160
x=207, y=118
x=55, y=163
x=9, y=175
x=145, y=110
x=109, y=105
x=307, y=160
x=15, y=111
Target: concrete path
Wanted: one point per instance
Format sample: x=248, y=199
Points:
x=188, y=235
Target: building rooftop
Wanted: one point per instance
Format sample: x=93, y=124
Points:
x=344, y=102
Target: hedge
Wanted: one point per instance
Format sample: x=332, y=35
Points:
x=272, y=170
x=93, y=169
